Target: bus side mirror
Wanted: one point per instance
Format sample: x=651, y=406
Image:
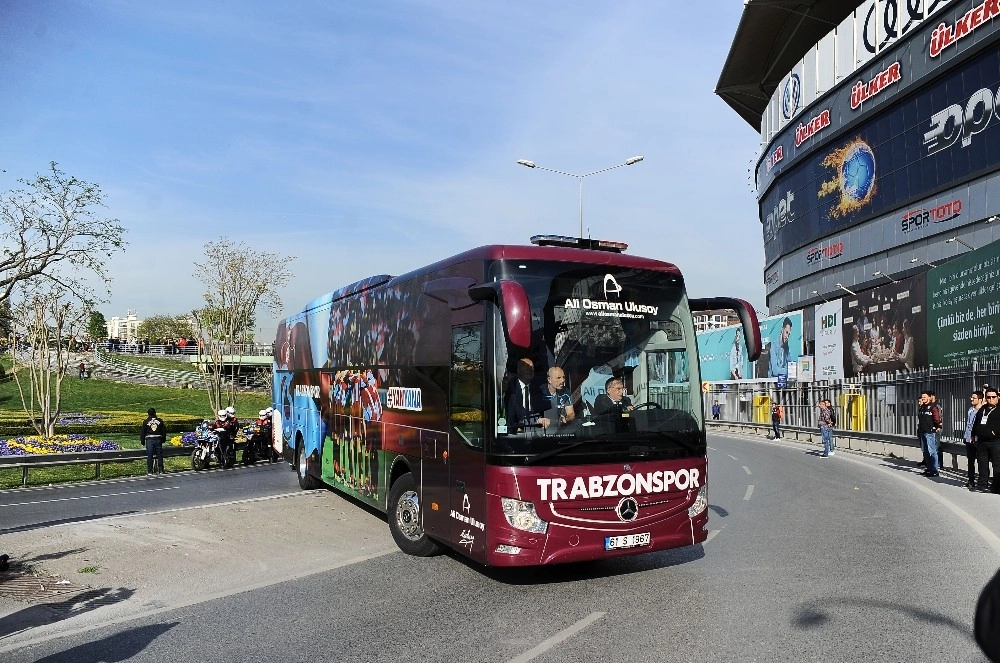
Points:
x=512, y=299
x=748, y=317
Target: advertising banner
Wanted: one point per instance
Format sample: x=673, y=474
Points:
x=782, y=339
x=964, y=302
x=723, y=355
x=829, y=345
x=884, y=329
x=938, y=137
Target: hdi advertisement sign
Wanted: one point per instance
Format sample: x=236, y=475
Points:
x=884, y=329
x=963, y=296
x=829, y=363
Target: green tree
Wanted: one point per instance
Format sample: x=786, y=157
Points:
x=239, y=280
x=163, y=327
x=97, y=326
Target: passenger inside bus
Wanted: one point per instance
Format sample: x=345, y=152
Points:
x=526, y=404
x=560, y=410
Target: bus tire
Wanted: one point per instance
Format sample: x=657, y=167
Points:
x=306, y=480
x=404, y=519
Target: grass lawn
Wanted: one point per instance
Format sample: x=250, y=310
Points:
x=125, y=405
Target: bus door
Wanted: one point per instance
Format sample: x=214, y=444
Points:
x=466, y=460
x=435, y=496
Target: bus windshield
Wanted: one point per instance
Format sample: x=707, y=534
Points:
x=609, y=373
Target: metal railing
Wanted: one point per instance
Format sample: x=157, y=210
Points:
x=95, y=458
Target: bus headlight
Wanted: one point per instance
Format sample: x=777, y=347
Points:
x=522, y=516
x=700, y=502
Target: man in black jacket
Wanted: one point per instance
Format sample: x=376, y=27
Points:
x=928, y=426
x=986, y=433
x=153, y=435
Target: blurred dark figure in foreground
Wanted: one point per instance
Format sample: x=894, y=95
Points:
x=988, y=619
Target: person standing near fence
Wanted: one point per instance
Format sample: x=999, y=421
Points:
x=776, y=415
x=986, y=431
x=825, y=428
x=928, y=427
x=153, y=435
x=970, y=441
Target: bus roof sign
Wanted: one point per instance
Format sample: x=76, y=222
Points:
x=579, y=243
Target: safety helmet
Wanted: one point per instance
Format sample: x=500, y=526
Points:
x=269, y=410
x=223, y=414
x=231, y=410
x=262, y=414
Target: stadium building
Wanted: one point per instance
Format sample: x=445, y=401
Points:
x=878, y=176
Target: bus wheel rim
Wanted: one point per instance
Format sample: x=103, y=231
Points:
x=408, y=516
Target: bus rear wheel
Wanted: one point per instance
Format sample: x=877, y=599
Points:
x=404, y=519
x=306, y=480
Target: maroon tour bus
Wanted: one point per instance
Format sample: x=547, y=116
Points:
x=521, y=405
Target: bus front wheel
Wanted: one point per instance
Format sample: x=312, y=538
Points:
x=404, y=519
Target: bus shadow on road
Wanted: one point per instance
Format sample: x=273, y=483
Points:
x=576, y=571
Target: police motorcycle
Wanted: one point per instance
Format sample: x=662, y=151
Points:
x=206, y=443
x=207, y=447
x=258, y=436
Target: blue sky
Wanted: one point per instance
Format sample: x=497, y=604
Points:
x=375, y=137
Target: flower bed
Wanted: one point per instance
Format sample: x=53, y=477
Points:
x=28, y=445
x=186, y=440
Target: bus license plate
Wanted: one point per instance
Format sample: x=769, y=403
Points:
x=626, y=541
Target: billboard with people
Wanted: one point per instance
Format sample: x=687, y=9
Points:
x=722, y=355
x=782, y=339
x=883, y=328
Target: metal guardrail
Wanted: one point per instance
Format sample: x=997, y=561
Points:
x=871, y=442
x=95, y=458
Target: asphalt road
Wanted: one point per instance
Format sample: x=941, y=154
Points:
x=849, y=558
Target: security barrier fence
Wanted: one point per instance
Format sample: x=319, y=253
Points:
x=884, y=404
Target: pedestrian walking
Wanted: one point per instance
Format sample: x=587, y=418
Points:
x=776, y=415
x=825, y=428
x=976, y=400
x=928, y=427
x=986, y=432
x=153, y=435
x=716, y=410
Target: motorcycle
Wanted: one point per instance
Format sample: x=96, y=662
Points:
x=258, y=446
x=207, y=447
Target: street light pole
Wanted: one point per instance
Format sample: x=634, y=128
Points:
x=628, y=162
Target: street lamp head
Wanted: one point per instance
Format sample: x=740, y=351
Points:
x=995, y=217
x=632, y=160
x=949, y=241
x=913, y=260
x=526, y=163
x=848, y=290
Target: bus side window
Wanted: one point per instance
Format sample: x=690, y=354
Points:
x=466, y=397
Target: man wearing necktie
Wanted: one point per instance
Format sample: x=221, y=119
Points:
x=525, y=401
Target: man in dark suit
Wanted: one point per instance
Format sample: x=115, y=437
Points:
x=612, y=408
x=524, y=399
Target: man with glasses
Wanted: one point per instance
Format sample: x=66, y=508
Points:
x=970, y=441
x=986, y=432
x=928, y=425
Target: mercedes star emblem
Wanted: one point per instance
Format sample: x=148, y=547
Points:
x=628, y=509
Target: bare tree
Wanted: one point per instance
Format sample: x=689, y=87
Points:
x=53, y=245
x=53, y=222
x=239, y=281
x=46, y=317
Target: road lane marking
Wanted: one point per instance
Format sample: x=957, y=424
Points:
x=732, y=456
x=564, y=634
x=749, y=493
x=747, y=470
x=90, y=497
x=711, y=534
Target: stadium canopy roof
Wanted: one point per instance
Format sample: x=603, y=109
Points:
x=772, y=36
